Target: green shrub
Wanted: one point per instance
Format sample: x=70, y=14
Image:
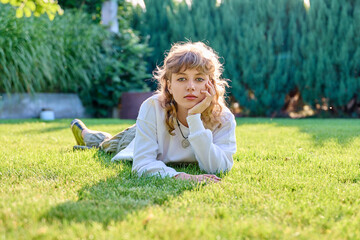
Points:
x=269, y=48
x=90, y=6
x=329, y=53
x=154, y=26
x=124, y=64
x=73, y=53
x=125, y=70
x=37, y=55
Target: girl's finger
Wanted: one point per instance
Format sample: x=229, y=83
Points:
x=210, y=88
x=212, y=176
x=206, y=93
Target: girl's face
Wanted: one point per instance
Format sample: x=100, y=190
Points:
x=186, y=86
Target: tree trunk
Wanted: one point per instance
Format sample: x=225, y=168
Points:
x=109, y=15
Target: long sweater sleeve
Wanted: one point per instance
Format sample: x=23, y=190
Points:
x=213, y=150
x=146, y=146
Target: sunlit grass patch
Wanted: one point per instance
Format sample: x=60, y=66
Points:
x=291, y=179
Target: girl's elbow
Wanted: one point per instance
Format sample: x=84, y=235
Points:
x=226, y=167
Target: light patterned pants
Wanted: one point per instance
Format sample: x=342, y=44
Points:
x=108, y=143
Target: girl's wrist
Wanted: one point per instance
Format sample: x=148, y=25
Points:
x=195, y=123
x=179, y=176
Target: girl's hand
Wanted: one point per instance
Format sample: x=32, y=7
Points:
x=198, y=178
x=205, y=103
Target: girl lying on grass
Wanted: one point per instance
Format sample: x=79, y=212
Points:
x=186, y=121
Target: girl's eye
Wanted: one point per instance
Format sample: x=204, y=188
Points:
x=200, y=79
x=181, y=79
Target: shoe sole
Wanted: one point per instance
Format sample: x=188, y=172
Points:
x=76, y=128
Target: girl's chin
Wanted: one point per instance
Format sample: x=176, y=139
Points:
x=187, y=106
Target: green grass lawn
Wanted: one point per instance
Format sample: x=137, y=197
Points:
x=292, y=179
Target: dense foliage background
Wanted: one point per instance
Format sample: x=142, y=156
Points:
x=72, y=53
x=276, y=53
x=271, y=49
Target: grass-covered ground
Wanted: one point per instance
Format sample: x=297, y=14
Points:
x=292, y=179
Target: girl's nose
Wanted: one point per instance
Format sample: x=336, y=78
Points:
x=190, y=85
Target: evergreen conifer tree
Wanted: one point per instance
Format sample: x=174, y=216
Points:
x=155, y=25
x=329, y=48
x=269, y=48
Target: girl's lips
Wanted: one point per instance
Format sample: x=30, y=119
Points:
x=190, y=97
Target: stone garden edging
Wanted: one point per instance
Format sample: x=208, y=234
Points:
x=23, y=105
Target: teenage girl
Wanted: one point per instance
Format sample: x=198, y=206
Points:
x=186, y=121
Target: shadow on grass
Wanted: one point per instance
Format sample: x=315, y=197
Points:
x=61, y=124
x=342, y=131
x=47, y=129
x=112, y=199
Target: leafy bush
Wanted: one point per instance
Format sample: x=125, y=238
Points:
x=125, y=70
x=124, y=64
x=39, y=55
x=269, y=48
x=327, y=55
x=70, y=54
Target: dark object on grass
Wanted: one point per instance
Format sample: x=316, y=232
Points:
x=79, y=147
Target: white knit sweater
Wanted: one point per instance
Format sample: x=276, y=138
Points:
x=153, y=146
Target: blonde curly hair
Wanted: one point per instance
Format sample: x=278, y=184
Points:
x=190, y=55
